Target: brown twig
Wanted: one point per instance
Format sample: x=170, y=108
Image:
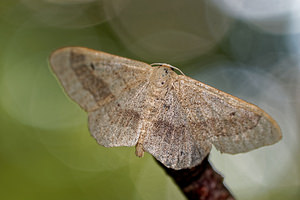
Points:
x=201, y=182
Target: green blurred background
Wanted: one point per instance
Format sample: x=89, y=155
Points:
x=249, y=49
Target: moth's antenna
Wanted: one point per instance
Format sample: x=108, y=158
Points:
x=160, y=64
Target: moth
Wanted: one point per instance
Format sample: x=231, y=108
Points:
x=173, y=117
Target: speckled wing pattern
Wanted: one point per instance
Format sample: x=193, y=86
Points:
x=170, y=139
x=110, y=88
x=230, y=124
x=175, y=118
x=193, y=116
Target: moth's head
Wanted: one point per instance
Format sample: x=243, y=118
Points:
x=162, y=75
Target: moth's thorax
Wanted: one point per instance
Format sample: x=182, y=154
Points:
x=162, y=76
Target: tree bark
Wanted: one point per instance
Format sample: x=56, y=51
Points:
x=201, y=182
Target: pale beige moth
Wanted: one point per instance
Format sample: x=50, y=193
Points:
x=173, y=117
